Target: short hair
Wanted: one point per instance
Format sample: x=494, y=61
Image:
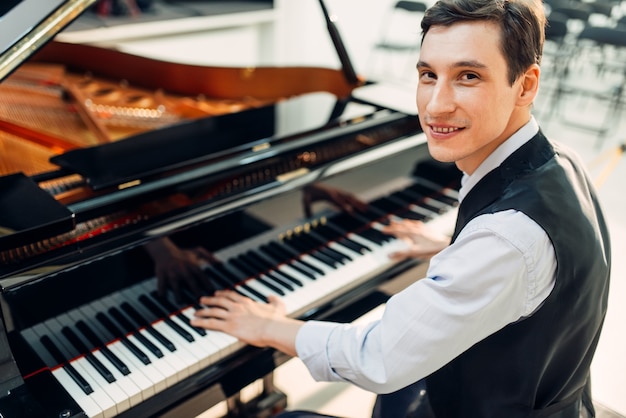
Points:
x=522, y=25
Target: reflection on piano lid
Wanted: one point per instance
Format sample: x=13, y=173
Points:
x=198, y=170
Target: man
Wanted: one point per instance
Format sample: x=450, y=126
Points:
x=506, y=321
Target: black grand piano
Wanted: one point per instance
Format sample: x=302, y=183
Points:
x=87, y=188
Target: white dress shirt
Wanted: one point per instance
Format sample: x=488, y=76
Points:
x=500, y=269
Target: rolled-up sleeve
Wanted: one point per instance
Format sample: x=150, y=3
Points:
x=500, y=269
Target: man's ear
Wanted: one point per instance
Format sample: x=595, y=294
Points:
x=529, y=85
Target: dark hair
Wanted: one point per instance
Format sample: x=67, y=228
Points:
x=522, y=24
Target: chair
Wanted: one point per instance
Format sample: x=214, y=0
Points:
x=596, y=77
x=578, y=15
x=556, y=48
x=398, y=41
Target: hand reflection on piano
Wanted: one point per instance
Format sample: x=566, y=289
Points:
x=341, y=200
x=180, y=269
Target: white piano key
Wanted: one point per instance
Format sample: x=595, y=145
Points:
x=156, y=380
x=135, y=384
x=85, y=402
x=185, y=353
x=171, y=374
x=211, y=351
x=126, y=384
x=93, y=376
x=100, y=397
x=33, y=341
x=225, y=343
x=129, y=387
x=170, y=369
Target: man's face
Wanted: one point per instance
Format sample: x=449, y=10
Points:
x=465, y=102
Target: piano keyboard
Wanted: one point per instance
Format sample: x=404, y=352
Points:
x=129, y=346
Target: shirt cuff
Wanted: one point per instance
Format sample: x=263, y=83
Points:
x=311, y=347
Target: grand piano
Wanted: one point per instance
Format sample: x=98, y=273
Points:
x=88, y=186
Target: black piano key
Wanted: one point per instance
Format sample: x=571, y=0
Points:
x=241, y=263
x=262, y=262
x=348, y=222
x=97, y=342
x=360, y=225
x=327, y=232
x=250, y=272
x=274, y=276
x=283, y=279
x=58, y=356
x=398, y=208
x=301, y=246
x=389, y=205
x=243, y=266
x=236, y=282
x=331, y=252
x=134, y=330
x=267, y=283
x=143, y=322
x=115, y=330
x=272, y=255
x=155, y=309
x=82, y=348
x=224, y=281
x=377, y=236
x=434, y=209
x=401, y=197
x=276, y=248
x=171, y=308
x=408, y=196
x=372, y=214
x=435, y=194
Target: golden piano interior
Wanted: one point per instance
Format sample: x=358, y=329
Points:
x=88, y=100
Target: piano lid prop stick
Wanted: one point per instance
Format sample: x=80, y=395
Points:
x=346, y=64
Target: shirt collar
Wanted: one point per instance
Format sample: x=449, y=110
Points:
x=519, y=138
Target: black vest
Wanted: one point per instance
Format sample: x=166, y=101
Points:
x=539, y=363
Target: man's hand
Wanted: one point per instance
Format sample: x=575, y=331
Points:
x=179, y=269
x=338, y=198
x=258, y=324
x=424, y=242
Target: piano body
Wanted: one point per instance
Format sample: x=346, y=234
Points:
x=88, y=186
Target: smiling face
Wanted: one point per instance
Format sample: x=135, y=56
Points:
x=466, y=104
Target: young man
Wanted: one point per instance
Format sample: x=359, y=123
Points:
x=507, y=320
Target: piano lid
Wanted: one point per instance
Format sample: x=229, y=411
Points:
x=27, y=25
x=121, y=190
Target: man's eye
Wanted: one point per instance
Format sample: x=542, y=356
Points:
x=470, y=76
x=427, y=75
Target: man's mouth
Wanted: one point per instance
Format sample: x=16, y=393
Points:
x=444, y=130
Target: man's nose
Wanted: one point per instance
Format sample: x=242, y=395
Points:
x=441, y=100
